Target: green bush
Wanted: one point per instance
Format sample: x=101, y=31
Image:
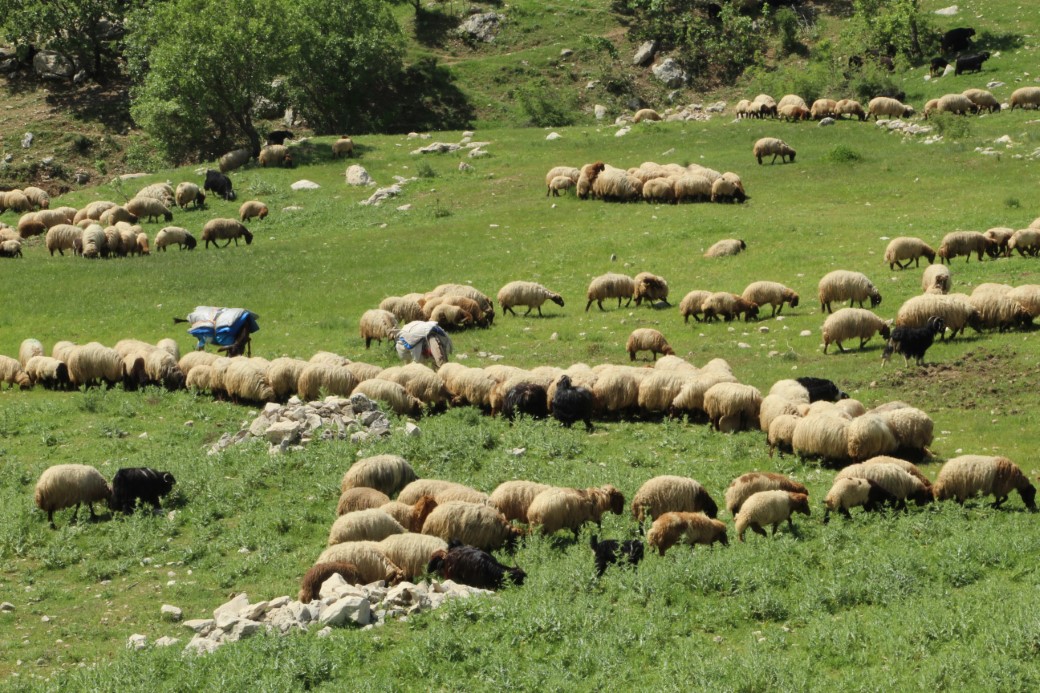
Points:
x=546, y=107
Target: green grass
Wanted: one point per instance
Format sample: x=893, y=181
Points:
x=911, y=598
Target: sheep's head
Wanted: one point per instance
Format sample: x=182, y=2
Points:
x=557, y=299
x=929, y=254
x=936, y=324
x=720, y=533
x=564, y=383
x=885, y=331
x=1028, y=493
x=875, y=298
x=708, y=505
x=247, y=235
x=923, y=495
x=792, y=299
x=615, y=499
x=800, y=503
x=751, y=311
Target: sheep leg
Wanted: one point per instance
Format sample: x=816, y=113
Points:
x=529, y=311
x=840, y=347
x=757, y=529
x=509, y=309
x=999, y=501
x=50, y=518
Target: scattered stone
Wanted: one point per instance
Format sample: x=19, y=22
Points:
x=200, y=645
x=669, y=72
x=438, y=148
x=622, y=132
x=645, y=54
x=481, y=27
x=357, y=175
x=717, y=107
x=553, y=136
x=166, y=641
x=53, y=65
x=805, y=333
x=6, y=607
x=566, y=53
x=137, y=642
x=410, y=429
x=350, y=608
x=948, y=11
x=171, y=613
x=45, y=619
x=827, y=122
x=381, y=195
x=27, y=140
x=464, y=167
x=600, y=111
x=202, y=626
x=304, y=185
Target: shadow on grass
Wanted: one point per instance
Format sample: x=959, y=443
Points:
x=433, y=27
x=107, y=104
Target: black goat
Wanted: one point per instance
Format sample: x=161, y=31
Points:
x=469, y=565
x=133, y=483
x=970, y=63
x=913, y=342
x=279, y=136
x=571, y=403
x=220, y=184
x=528, y=399
x=611, y=551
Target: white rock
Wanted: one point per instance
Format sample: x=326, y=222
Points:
x=305, y=185
x=805, y=333
x=356, y=609
x=7, y=607
x=948, y=11
x=410, y=429
x=329, y=587
x=553, y=136
x=242, y=629
x=622, y=131
x=233, y=607
x=200, y=645
x=254, y=612
x=324, y=632
x=137, y=642
x=201, y=626
x=283, y=431
x=404, y=208
x=600, y=111
x=357, y=175
x=166, y=641
x=171, y=613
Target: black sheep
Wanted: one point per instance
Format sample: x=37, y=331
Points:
x=821, y=389
x=469, y=565
x=219, y=183
x=955, y=40
x=133, y=483
x=572, y=403
x=611, y=551
x=279, y=136
x=528, y=399
x=970, y=63
x=913, y=341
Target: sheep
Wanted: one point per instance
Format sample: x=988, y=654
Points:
x=663, y=494
x=163, y=192
x=235, y=159
x=29, y=225
x=467, y=385
x=391, y=394
x=472, y=523
x=252, y=209
x=853, y=492
x=557, y=184
x=852, y=323
x=570, y=403
x=936, y=279
x=743, y=109
x=93, y=210
x=37, y=197
x=732, y=406
x=780, y=434
x=893, y=479
x=224, y=229
x=368, y=559
x=131, y=484
x=372, y=524
x=513, y=498
x=691, y=305
x=1025, y=97
x=968, y=475
x=283, y=375
x=913, y=341
x=385, y=473
x=841, y=285
x=147, y=207
x=791, y=390
x=850, y=107
x=930, y=106
x=1001, y=237
x=647, y=339
x=659, y=190
x=728, y=305
x=468, y=565
x=612, y=184
x=725, y=247
x=983, y=100
x=774, y=405
x=696, y=528
x=344, y=146
x=822, y=436
x=65, y=485
x=997, y=310
x=886, y=106
x=62, y=350
x=617, y=389
x=27, y=349
x=53, y=217
x=275, y=155
x=93, y=362
x=465, y=291
x=825, y=390
x=728, y=188
x=12, y=373
x=361, y=498
x=1028, y=297
x=823, y=108
x=774, y=146
x=650, y=288
x=908, y=467
x=219, y=184
x=524, y=398
x=745, y=486
x=568, y=508
x=94, y=242
x=868, y=436
x=965, y=243
x=645, y=114
x=1025, y=241
x=189, y=193
x=62, y=237
x=659, y=389
x=956, y=40
x=770, y=508
x=405, y=309
x=11, y=248
x=907, y=248
x=970, y=63
x=16, y=201
x=692, y=187
x=774, y=294
x=957, y=104
x=610, y=285
x=420, y=381
x=114, y=214
x=377, y=325
x=766, y=105
x=412, y=516
x=412, y=552
x=243, y=381
x=530, y=294
x=49, y=372
x=956, y=311
x=568, y=172
x=174, y=235
x=912, y=428
x=792, y=112
x=611, y=551
x=315, y=577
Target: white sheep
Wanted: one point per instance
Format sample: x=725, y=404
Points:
x=769, y=508
x=344, y=146
x=1025, y=241
x=775, y=147
x=386, y=473
x=885, y=106
x=569, y=508
x=956, y=103
x=728, y=305
x=1027, y=296
x=617, y=389
x=65, y=485
x=243, y=381
x=695, y=528
x=852, y=323
x=956, y=310
x=367, y=557
x=27, y=349
x=471, y=523
x=93, y=363
x=692, y=303
x=174, y=235
x=868, y=436
x=983, y=99
x=557, y=184
x=441, y=491
x=746, y=485
x=732, y=407
x=912, y=428
x=907, y=248
x=936, y=279
x=728, y=188
x=405, y=309
x=647, y=339
x=957, y=243
x=362, y=498
x=48, y=372
x=649, y=287
x=225, y=229
x=252, y=209
x=848, y=493
x=391, y=394
x=275, y=155
x=235, y=159
x=893, y=479
x=10, y=248
x=530, y=294
x=63, y=237
x=774, y=405
x=411, y=517
x=513, y=498
x=1025, y=98
x=843, y=285
x=12, y=373
x=998, y=311
x=378, y=325
x=725, y=248
x=850, y=107
x=412, y=552
x=691, y=187
x=780, y=434
x=147, y=208
x=822, y=436
x=969, y=475
x=668, y=493
x=372, y=524
x=610, y=285
x=773, y=294
x=189, y=193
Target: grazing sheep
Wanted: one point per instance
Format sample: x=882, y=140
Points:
x=650, y=288
x=570, y=403
x=112, y=215
x=842, y=285
x=283, y=375
x=823, y=108
x=385, y=473
x=372, y=524
x=131, y=484
x=908, y=467
x=822, y=436
x=956, y=311
x=27, y=349
x=361, y=498
x=29, y=225
x=189, y=193
x=983, y=100
x=793, y=112
x=912, y=428
x=692, y=305
x=893, y=479
x=610, y=285
x=691, y=187
x=569, y=508
x=726, y=247
x=252, y=209
x=405, y=309
x=63, y=237
x=568, y=172
x=850, y=107
x=965, y=243
x=774, y=405
x=1028, y=297
x=411, y=517
x=746, y=485
x=647, y=339
x=378, y=325
x=696, y=528
x=48, y=372
x=313, y=579
x=1025, y=241
x=997, y=310
x=557, y=184
x=235, y=159
x=474, y=524
x=1025, y=97
x=868, y=436
x=775, y=147
x=645, y=114
x=770, y=508
x=244, y=381
x=344, y=146
x=773, y=294
x=791, y=390
x=65, y=485
x=659, y=389
x=886, y=106
x=367, y=557
x=611, y=551
x=12, y=373
x=219, y=184
x=412, y=552
x=663, y=494
x=743, y=109
x=530, y=294
x=659, y=190
x=728, y=305
x=936, y=279
x=957, y=104
x=513, y=498
x=969, y=475
x=907, y=248
x=174, y=235
x=37, y=197
x=147, y=207
x=441, y=491
x=93, y=363
x=780, y=434
x=913, y=342
x=16, y=201
x=94, y=241
x=468, y=565
x=391, y=394
x=615, y=185
x=528, y=399
x=728, y=188
x=275, y=155
x=616, y=389
x=93, y=210
x=225, y=229
x=852, y=323
x=732, y=407
x=62, y=350
x=853, y=492
x=766, y=106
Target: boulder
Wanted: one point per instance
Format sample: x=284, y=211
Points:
x=53, y=65
x=481, y=27
x=669, y=72
x=357, y=175
x=350, y=608
x=645, y=54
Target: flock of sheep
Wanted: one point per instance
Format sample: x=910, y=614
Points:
x=652, y=182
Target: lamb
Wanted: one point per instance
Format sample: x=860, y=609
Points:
x=743, y=487
x=852, y=323
x=930, y=106
x=1025, y=241
x=568, y=172
x=1025, y=97
x=224, y=229
x=696, y=528
x=775, y=147
x=344, y=146
x=728, y=305
x=385, y=473
x=610, y=285
x=645, y=114
x=907, y=248
x=174, y=235
x=569, y=508
x=235, y=159
x=965, y=243
x=647, y=339
x=391, y=394
x=65, y=485
x=956, y=310
x=557, y=184
x=822, y=436
x=853, y=492
x=970, y=63
x=49, y=372
x=530, y=294
x=936, y=279
x=780, y=434
x=732, y=406
x=793, y=112
x=691, y=305
x=469, y=565
x=150, y=208
x=773, y=294
x=913, y=341
x=219, y=184
x=725, y=247
x=957, y=104
x=611, y=551
x=189, y=193
x=663, y=494
x=850, y=107
x=513, y=498
x=770, y=508
x=841, y=285
x=983, y=99
x=372, y=524
x=12, y=373
x=886, y=106
x=471, y=523
x=11, y=248
x=893, y=479
x=313, y=579
x=441, y=491
x=570, y=403
x=378, y=325
x=650, y=288
x=361, y=498
x=368, y=559
x=965, y=476
x=252, y=209
x=131, y=484
x=275, y=155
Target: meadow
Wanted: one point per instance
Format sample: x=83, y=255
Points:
x=936, y=598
